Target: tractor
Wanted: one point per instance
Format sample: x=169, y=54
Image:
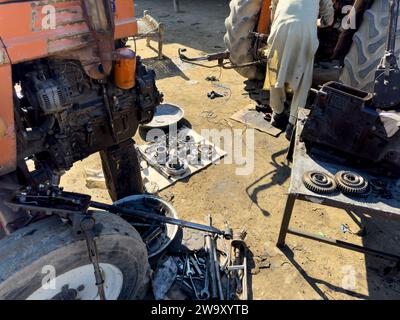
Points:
x=350, y=50
x=70, y=87
x=355, y=101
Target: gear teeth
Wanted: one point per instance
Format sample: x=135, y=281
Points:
x=360, y=189
x=326, y=187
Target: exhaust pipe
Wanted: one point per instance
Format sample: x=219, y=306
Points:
x=100, y=19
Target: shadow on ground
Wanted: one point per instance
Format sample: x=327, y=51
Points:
x=166, y=68
x=383, y=276
x=277, y=176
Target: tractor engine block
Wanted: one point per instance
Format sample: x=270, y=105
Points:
x=63, y=116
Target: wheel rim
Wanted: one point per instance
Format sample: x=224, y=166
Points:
x=154, y=247
x=80, y=284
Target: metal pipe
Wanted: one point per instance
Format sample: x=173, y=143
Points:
x=217, y=270
x=99, y=16
x=211, y=266
x=176, y=6
x=393, y=19
x=214, y=262
x=154, y=217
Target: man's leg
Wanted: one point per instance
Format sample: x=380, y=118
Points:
x=299, y=101
x=294, y=109
x=277, y=99
x=277, y=103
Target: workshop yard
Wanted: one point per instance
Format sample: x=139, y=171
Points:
x=304, y=270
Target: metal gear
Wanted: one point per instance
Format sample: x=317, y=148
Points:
x=176, y=166
x=352, y=183
x=319, y=182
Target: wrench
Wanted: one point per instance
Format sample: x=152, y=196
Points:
x=196, y=266
x=205, y=293
x=200, y=261
x=189, y=271
x=194, y=287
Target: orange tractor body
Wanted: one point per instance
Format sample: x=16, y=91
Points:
x=27, y=33
x=264, y=22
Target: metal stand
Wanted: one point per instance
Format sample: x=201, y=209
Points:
x=150, y=29
x=297, y=191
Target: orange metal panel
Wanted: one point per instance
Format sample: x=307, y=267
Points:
x=25, y=39
x=8, y=144
x=264, y=23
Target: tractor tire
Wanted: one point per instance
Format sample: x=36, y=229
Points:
x=9, y=184
x=368, y=48
x=241, y=22
x=49, y=248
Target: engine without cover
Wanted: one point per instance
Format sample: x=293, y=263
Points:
x=64, y=116
x=348, y=121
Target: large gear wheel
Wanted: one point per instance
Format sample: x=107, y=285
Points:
x=319, y=182
x=352, y=183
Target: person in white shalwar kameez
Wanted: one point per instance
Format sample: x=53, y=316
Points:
x=292, y=45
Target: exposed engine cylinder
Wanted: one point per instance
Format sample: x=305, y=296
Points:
x=64, y=116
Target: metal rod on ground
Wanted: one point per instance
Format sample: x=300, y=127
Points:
x=154, y=217
x=176, y=6
x=218, y=273
x=211, y=265
x=216, y=262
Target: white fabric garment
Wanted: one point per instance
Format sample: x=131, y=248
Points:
x=391, y=122
x=292, y=45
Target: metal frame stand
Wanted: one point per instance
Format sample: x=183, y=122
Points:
x=297, y=191
x=150, y=29
x=285, y=229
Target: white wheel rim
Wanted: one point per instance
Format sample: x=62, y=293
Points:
x=80, y=284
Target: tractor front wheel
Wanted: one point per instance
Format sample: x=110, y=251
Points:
x=46, y=261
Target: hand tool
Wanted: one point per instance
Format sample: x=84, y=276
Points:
x=215, y=263
x=196, y=266
x=205, y=292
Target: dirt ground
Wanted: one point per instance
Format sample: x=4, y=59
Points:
x=306, y=269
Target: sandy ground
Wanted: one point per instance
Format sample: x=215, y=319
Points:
x=306, y=270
